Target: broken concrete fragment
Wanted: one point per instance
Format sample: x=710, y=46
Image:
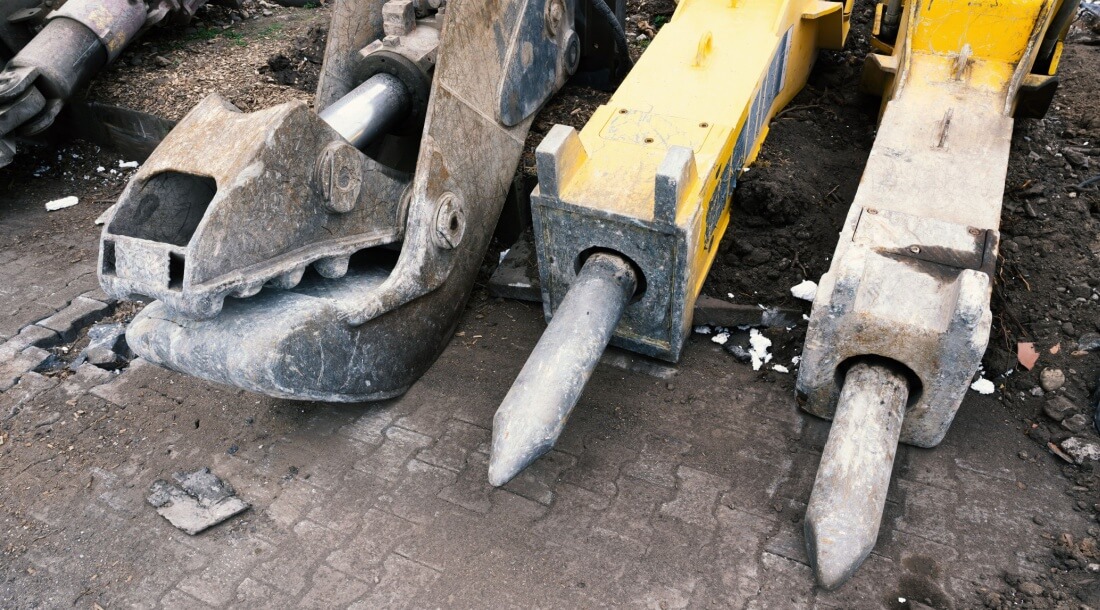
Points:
x=201, y=500
x=1059, y=408
x=1076, y=423
x=106, y=346
x=1081, y=450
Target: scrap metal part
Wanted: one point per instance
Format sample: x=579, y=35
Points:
x=200, y=223
x=912, y=274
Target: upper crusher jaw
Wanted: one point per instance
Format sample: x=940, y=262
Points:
x=287, y=262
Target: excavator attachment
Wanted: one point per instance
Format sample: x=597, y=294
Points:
x=639, y=199
x=328, y=257
x=56, y=52
x=902, y=316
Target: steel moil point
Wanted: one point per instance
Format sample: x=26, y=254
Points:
x=534, y=412
x=849, y=493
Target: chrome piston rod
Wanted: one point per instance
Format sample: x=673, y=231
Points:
x=370, y=110
x=849, y=493
x=534, y=412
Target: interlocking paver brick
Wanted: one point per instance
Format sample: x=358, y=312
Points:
x=80, y=312
x=289, y=569
x=402, y=579
x=696, y=495
x=388, y=461
x=35, y=335
x=335, y=589
x=416, y=497
x=658, y=460
x=217, y=583
x=380, y=533
x=458, y=439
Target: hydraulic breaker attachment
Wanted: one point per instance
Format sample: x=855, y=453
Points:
x=75, y=42
x=648, y=183
x=288, y=253
x=902, y=316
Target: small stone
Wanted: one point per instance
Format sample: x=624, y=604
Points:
x=1052, y=379
x=1076, y=158
x=267, y=13
x=1068, y=328
x=1030, y=588
x=1038, y=520
x=1076, y=423
x=1059, y=408
x=1030, y=210
x=162, y=61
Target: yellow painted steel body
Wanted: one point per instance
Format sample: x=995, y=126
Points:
x=912, y=273
x=697, y=104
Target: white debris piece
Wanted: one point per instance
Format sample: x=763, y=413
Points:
x=503, y=254
x=101, y=169
x=702, y=330
x=982, y=386
x=779, y=368
x=102, y=219
x=721, y=338
x=61, y=204
x=127, y=164
x=796, y=360
x=806, y=290
x=730, y=295
x=758, y=349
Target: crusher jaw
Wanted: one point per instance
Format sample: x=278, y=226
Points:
x=328, y=257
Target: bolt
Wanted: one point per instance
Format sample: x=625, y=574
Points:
x=450, y=221
x=872, y=211
x=554, y=13
x=973, y=231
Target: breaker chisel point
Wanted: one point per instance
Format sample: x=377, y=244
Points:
x=534, y=412
x=849, y=493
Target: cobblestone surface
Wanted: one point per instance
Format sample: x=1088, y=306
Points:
x=655, y=497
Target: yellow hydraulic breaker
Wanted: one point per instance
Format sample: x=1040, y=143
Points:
x=902, y=317
x=629, y=212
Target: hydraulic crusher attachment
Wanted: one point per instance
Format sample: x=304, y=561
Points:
x=73, y=44
x=293, y=254
x=629, y=212
x=902, y=317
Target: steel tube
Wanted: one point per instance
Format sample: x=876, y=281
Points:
x=370, y=110
x=534, y=412
x=849, y=493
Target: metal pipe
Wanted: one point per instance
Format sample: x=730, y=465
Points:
x=534, y=412
x=370, y=110
x=849, y=493
x=891, y=19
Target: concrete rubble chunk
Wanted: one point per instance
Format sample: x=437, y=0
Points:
x=200, y=500
x=106, y=346
x=517, y=275
x=1081, y=450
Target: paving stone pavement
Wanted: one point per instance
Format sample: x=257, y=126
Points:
x=661, y=494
